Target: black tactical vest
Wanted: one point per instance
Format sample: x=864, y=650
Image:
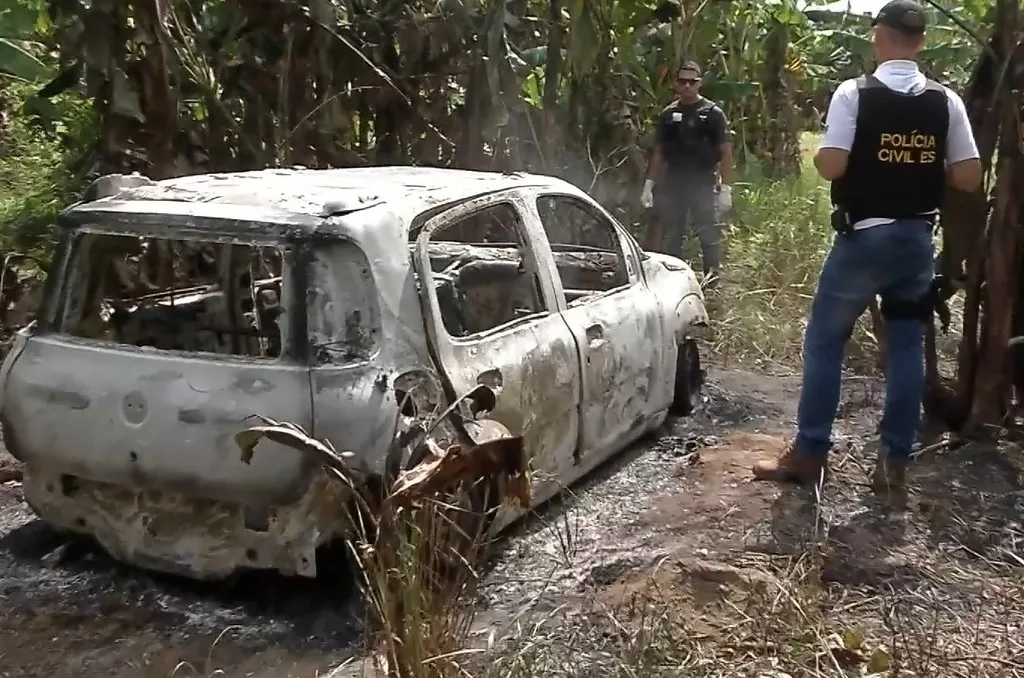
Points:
x=688, y=147
x=896, y=167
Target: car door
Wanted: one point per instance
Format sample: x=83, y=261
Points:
x=528, y=356
x=614, y=318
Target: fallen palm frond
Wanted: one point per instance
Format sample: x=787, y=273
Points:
x=416, y=539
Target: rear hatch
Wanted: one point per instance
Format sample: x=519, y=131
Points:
x=153, y=355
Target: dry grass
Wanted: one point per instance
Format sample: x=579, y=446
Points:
x=419, y=580
x=799, y=626
x=776, y=241
x=824, y=609
x=778, y=616
x=835, y=593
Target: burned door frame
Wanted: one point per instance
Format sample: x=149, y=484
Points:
x=353, y=405
x=620, y=334
x=531, y=362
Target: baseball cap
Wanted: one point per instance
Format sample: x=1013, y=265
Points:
x=905, y=16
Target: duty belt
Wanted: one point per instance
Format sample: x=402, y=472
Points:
x=842, y=219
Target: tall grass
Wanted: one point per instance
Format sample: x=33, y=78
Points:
x=776, y=240
x=775, y=245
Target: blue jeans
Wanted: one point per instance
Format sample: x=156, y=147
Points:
x=892, y=260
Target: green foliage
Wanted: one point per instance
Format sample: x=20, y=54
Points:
x=24, y=28
x=43, y=148
x=44, y=143
x=777, y=240
x=460, y=82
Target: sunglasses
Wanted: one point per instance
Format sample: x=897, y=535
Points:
x=687, y=81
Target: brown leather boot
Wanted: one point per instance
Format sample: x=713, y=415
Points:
x=792, y=466
x=890, y=476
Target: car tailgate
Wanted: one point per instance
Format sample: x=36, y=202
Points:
x=143, y=418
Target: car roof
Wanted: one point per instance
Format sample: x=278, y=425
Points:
x=300, y=198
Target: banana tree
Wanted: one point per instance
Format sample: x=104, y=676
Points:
x=948, y=55
x=20, y=48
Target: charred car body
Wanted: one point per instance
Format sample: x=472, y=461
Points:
x=176, y=310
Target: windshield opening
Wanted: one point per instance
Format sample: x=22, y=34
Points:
x=176, y=295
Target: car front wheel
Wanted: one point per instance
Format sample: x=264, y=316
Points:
x=689, y=379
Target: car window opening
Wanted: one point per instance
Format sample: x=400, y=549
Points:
x=586, y=248
x=175, y=295
x=484, y=274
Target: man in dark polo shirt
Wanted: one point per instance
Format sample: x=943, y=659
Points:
x=691, y=149
x=893, y=141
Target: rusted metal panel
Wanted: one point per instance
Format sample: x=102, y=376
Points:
x=626, y=360
x=353, y=402
x=114, y=407
x=367, y=330
x=676, y=286
x=180, y=533
x=618, y=369
x=625, y=366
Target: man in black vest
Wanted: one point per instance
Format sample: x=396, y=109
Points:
x=893, y=141
x=691, y=148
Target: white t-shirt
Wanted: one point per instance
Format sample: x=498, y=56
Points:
x=902, y=76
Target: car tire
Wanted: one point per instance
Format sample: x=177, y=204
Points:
x=486, y=496
x=475, y=507
x=689, y=379
x=463, y=534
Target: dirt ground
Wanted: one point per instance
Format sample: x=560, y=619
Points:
x=677, y=518
x=721, y=575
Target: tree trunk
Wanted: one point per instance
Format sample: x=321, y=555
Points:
x=552, y=75
x=781, y=135
x=998, y=295
x=159, y=104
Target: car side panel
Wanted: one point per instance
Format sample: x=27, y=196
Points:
x=533, y=369
x=626, y=352
x=676, y=286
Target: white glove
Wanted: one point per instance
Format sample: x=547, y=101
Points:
x=647, y=196
x=725, y=198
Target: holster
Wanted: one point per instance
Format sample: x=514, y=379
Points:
x=935, y=302
x=941, y=292
x=840, y=220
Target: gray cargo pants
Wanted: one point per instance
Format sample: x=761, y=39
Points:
x=685, y=207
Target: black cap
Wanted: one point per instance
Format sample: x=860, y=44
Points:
x=689, y=66
x=905, y=16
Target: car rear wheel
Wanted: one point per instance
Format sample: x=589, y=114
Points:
x=689, y=379
x=472, y=508
x=474, y=514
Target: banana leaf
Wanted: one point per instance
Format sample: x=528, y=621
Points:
x=18, y=62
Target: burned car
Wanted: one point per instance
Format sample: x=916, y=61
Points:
x=176, y=310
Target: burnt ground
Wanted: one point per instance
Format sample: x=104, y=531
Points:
x=676, y=520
